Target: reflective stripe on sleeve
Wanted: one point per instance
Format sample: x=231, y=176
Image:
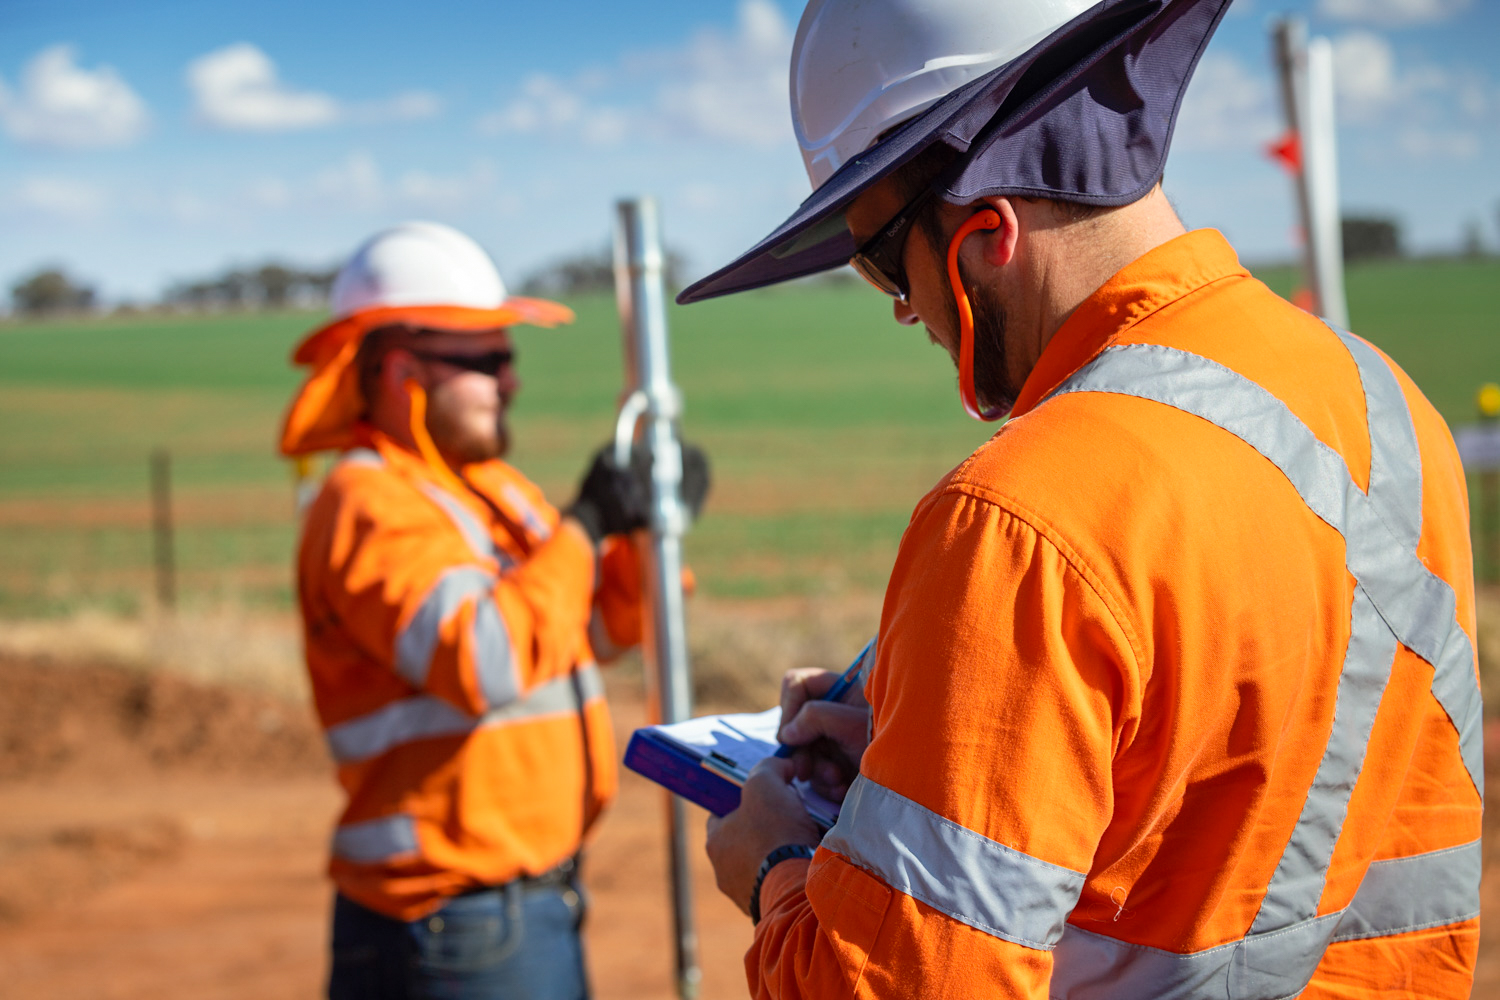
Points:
x=376, y=840
x=419, y=718
x=973, y=879
x=494, y=657
x=425, y=717
x=1396, y=897
x=419, y=638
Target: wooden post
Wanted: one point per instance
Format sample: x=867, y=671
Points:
x=161, y=522
x=1487, y=401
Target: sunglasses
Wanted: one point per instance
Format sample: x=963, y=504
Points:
x=489, y=363
x=879, y=260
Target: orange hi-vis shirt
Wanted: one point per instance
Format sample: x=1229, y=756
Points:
x=1175, y=693
x=447, y=643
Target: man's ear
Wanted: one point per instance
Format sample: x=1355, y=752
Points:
x=396, y=368
x=999, y=245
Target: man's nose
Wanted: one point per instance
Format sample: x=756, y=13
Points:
x=905, y=314
x=507, y=381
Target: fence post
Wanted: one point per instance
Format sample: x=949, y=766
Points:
x=161, y=523
x=1488, y=403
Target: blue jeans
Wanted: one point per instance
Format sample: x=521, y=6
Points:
x=514, y=941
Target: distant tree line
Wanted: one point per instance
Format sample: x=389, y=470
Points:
x=270, y=286
x=51, y=291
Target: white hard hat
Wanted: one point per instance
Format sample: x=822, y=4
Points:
x=417, y=264
x=860, y=67
x=419, y=274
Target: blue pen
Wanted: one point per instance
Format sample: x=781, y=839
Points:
x=839, y=689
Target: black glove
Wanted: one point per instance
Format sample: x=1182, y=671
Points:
x=611, y=500
x=695, y=478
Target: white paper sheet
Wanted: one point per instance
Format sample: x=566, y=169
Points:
x=743, y=740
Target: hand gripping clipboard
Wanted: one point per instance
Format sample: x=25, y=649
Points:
x=706, y=760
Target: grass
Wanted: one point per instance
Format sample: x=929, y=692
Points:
x=825, y=420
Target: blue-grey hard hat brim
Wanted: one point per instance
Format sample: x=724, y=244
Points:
x=1086, y=115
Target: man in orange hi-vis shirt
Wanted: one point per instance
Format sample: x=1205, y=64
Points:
x=1175, y=692
x=452, y=620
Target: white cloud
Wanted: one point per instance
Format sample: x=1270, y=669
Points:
x=728, y=88
x=237, y=87
x=1391, y=12
x=58, y=198
x=734, y=87
x=1227, y=106
x=62, y=104
x=548, y=105
x=1374, y=87
x=1364, y=72
x=358, y=182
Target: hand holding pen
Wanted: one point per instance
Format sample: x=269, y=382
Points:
x=824, y=736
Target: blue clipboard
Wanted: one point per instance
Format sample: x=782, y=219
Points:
x=707, y=760
x=651, y=755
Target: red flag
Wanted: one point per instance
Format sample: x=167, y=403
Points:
x=1287, y=151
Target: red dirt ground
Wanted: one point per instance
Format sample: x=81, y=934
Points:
x=160, y=839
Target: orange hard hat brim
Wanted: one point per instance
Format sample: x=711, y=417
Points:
x=329, y=404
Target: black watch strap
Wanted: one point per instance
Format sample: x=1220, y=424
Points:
x=785, y=852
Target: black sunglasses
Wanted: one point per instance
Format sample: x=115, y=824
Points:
x=488, y=363
x=879, y=260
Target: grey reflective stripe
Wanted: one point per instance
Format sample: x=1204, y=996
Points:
x=1296, y=887
x=589, y=681
x=367, y=457
x=1410, y=894
x=973, y=879
x=1396, y=896
x=463, y=519
x=418, y=718
x=529, y=516
x=418, y=639
x=376, y=840
x=1418, y=606
x=425, y=717
x=556, y=697
x=1396, y=598
x=494, y=659
x=1395, y=461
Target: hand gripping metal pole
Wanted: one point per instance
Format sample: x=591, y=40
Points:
x=648, y=419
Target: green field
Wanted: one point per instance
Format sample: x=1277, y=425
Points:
x=825, y=420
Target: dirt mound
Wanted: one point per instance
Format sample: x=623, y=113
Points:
x=61, y=866
x=102, y=719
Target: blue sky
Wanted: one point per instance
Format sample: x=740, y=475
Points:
x=157, y=140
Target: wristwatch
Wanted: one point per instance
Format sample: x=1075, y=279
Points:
x=783, y=853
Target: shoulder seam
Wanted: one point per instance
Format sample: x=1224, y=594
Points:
x=1044, y=529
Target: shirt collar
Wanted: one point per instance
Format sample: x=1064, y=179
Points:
x=1158, y=278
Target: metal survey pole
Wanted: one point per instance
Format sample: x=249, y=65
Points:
x=1306, y=70
x=649, y=418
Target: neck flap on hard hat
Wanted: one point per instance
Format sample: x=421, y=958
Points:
x=1086, y=115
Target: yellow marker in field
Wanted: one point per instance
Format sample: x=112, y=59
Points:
x=1488, y=399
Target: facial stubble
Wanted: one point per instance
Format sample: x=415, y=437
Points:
x=992, y=382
